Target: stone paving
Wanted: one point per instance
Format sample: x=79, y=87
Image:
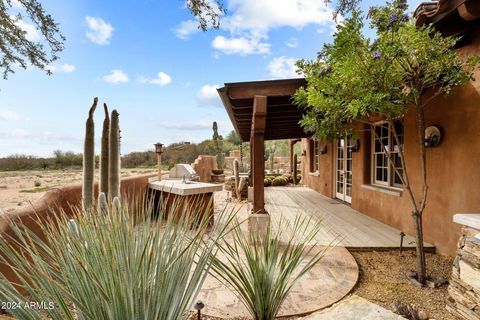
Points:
x=328, y=282
x=354, y=308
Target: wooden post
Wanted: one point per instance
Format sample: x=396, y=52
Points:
x=257, y=137
x=159, y=160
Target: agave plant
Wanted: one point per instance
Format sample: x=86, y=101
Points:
x=263, y=266
x=110, y=264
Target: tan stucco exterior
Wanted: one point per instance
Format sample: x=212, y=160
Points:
x=453, y=167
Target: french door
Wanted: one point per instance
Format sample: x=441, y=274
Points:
x=343, y=168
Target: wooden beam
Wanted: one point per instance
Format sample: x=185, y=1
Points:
x=271, y=90
x=258, y=174
x=469, y=10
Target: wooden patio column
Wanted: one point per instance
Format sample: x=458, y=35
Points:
x=257, y=152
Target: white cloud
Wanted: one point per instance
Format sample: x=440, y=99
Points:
x=116, y=76
x=32, y=34
x=263, y=15
x=241, y=45
x=292, y=43
x=282, y=67
x=208, y=96
x=186, y=29
x=162, y=79
x=20, y=133
x=64, y=68
x=188, y=125
x=8, y=115
x=16, y=4
x=250, y=21
x=99, y=31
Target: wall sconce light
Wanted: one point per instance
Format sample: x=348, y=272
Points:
x=433, y=136
x=356, y=146
x=323, y=149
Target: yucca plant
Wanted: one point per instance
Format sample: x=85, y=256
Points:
x=263, y=266
x=111, y=264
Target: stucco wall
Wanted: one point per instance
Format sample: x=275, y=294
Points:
x=453, y=168
x=64, y=199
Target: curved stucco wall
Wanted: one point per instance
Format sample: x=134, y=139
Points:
x=55, y=201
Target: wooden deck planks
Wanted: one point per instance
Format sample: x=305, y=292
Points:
x=357, y=230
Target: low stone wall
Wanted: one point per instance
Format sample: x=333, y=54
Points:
x=464, y=287
x=61, y=199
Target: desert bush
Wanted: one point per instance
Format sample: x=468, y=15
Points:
x=279, y=181
x=110, y=264
x=262, y=268
x=37, y=183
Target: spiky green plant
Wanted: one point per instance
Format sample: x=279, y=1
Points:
x=114, y=157
x=262, y=267
x=118, y=265
x=103, y=185
x=89, y=158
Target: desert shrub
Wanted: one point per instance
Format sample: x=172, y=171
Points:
x=110, y=264
x=262, y=267
x=289, y=177
x=37, y=183
x=267, y=182
x=279, y=181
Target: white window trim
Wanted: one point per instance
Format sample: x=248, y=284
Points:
x=389, y=184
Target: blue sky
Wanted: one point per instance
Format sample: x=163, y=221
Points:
x=147, y=59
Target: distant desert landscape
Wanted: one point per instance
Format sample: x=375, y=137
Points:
x=19, y=189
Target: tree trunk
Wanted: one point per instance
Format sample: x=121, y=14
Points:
x=421, y=265
x=418, y=213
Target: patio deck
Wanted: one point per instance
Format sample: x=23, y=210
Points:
x=355, y=230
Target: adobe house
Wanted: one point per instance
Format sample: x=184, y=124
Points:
x=356, y=172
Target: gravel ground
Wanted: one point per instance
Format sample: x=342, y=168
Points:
x=382, y=280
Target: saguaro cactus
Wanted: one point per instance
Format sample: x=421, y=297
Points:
x=114, y=157
x=104, y=152
x=236, y=172
x=89, y=159
x=295, y=162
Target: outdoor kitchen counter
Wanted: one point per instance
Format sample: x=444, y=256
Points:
x=185, y=188
x=178, y=197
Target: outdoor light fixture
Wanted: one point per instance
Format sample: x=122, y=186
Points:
x=159, y=151
x=433, y=136
x=323, y=149
x=356, y=146
x=199, y=306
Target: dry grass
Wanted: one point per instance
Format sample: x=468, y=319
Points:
x=382, y=280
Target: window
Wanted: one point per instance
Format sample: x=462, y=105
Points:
x=383, y=171
x=314, y=156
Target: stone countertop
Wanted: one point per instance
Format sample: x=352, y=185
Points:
x=471, y=220
x=184, y=189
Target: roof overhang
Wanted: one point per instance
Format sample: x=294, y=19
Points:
x=282, y=115
x=450, y=17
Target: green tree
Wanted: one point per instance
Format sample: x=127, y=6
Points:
x=17, y=48
x=403, y=70
x=233, y=138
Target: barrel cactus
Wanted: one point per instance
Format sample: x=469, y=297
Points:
x=114, y=156
x=104, y=152
x=89, y=159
